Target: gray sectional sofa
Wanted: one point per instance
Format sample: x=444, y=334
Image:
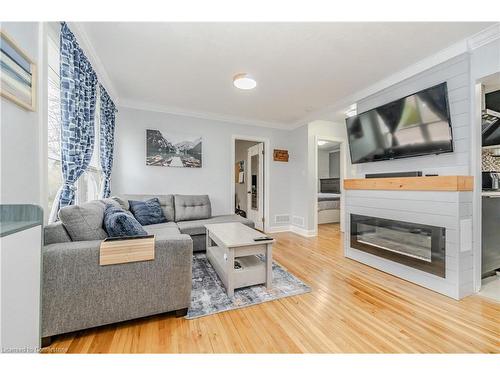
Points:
x=78, y=293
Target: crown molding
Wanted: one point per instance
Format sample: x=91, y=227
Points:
x=418, y=67
x=464, y=46
x=330, y=112
x=134, y=104
x=78, y=29
x=484, y=37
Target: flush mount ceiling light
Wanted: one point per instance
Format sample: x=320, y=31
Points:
x=321, y=143
x=244, y=81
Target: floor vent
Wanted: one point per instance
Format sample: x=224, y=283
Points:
x=282, y=219
x=298, y=220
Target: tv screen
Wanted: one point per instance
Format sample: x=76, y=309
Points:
x=416, y=125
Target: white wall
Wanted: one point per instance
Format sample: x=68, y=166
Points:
x=20, y=131
x=456, y=73
x=131, y=175
x=298, y=178
x=303, y=170
x=323, y=164
x=334, y=164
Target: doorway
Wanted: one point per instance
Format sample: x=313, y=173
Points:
x=328, y=202
x=488, y=184
x=249, y=181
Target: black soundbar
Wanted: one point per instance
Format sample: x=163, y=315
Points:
x=394, y=174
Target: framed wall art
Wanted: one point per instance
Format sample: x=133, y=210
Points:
x=173, y=150
x=17, y=74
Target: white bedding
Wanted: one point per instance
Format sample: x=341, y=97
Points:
x=326, y=196
x=328, y=205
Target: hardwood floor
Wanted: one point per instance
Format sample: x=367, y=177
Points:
x=352, y=308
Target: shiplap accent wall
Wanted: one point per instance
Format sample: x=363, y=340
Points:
x=452, y=210
x=456, y=72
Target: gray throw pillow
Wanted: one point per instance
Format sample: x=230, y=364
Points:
x=84, y=222
x=122, y=202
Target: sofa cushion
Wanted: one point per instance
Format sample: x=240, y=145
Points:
x=84, y=222
x=122, y=202
x=196, y=227
x=169, y=228
x=192, y=207
x=119, y=223
x=55, y=233
x=147, y=212
x=166, y=202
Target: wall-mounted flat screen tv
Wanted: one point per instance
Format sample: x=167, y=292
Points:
x=418, y=124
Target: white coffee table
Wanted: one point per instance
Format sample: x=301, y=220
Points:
x=227, y=242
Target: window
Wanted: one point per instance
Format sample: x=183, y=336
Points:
x=90, y=183
x=54, y=123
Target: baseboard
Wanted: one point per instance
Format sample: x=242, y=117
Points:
x=294, y=229
x=278, y=229
x=303, y=232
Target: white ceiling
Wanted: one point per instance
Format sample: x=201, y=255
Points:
x=300, y=67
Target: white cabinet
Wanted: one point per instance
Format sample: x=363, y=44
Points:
x=20, y=279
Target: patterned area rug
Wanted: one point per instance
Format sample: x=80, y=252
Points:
x=208, y=295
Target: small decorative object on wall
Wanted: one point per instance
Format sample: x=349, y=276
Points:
x=239, y=172
x=280, y=155
x=18, y=74
x=172, y=150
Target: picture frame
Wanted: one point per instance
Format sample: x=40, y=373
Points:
x=18, y=74
x=171, y=149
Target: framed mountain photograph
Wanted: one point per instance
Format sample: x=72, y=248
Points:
x=18, y=74
x=173, y=150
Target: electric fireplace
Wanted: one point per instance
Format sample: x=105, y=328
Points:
x=415, y=245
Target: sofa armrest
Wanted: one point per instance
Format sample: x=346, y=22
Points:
x=78, y=293
x=88, y=251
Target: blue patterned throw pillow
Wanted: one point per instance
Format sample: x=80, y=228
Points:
x=148, y=212
x=118, y=223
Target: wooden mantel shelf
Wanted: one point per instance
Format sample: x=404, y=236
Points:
x=425, y=183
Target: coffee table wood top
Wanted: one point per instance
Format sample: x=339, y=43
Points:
x=236, y=234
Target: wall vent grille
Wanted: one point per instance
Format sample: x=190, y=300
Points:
x=298, y=220
x=282, y=219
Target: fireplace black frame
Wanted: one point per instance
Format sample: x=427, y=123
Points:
x=437, y=263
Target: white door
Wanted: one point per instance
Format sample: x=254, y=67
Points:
x=255, y=185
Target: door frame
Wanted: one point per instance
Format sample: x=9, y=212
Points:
x=267, y=163
x=258, y=150
x=343, y=150
x=476, y=169
x=476, y=157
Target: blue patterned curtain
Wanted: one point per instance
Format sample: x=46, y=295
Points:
x=78, y=102
x=107, y=133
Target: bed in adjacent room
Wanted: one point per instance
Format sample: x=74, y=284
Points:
x=329, y=201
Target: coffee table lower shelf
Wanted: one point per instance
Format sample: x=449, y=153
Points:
x=252, y=271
